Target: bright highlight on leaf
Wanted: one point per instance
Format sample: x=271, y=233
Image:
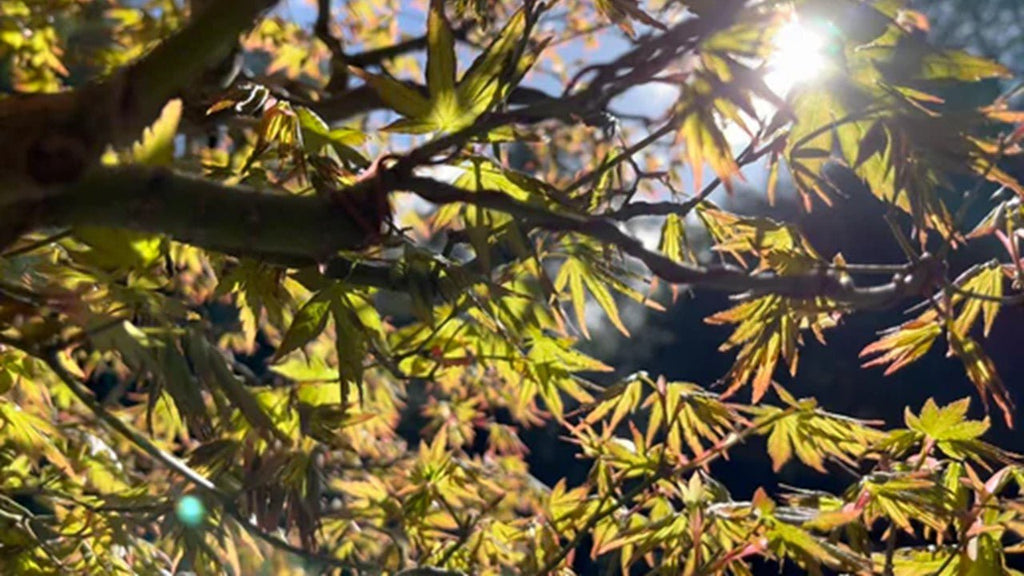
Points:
x=451, y=104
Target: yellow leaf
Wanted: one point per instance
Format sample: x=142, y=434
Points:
x=982, y=373
x=396, y=95
x=481, y=83
x=606, y=301
x=440, y=53
x=985, y=281
x=705, y=143
x=571, y=273
x=156, y=148
x=904, y=344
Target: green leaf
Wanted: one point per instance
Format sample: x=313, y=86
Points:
x=451, y=105
x=620, y=12
x=768, y=328
x=396, y=95
x=308, y=323
x=706, y=144
x=813, y=435
x=903, y=497
x=481, y=84
x=982, y=372
x=210, y=365
x=119, y=248
x=623, y=398
x=673, y=242
x=604, y=298
x=317, y=135
x=905, y=343
x=552, y=363
x=560, y=353
x=985, y=556
x=986, y=282
x=811, y=552
x=946, y=423
x=960, y=66
x=440, y=53
x=815, y=108
x=302, y=369
x=186, y=391
x=156, y=148
x=484, y=174
x=571, y=274
x=350, y=344
x=412, y=126
x=29, y=433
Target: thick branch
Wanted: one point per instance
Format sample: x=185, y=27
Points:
x=721, y=278
x=350, y=103
x=306, y=230
x=53, y=138
x=291, y=230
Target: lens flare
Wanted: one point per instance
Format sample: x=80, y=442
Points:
x=799, y=56
x=190, y=511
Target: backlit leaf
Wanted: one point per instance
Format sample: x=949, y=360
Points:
x=440, y=53
x=982, y=372
x=156, y=148
x=904, y=344
x=308, y=323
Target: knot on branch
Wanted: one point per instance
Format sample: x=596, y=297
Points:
x=927, y=275
x=825, y=284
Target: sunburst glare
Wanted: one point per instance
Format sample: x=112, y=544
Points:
x=799, y=56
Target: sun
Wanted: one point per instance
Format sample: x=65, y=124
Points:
x=798, y=56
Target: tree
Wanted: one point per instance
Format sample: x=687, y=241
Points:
x=242, y=252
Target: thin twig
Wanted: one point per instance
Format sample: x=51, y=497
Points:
x=596, y=174
x=723, y=277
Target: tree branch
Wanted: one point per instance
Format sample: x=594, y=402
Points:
x=290, y=230
x=177, y=466
x=375, y=56
x=826, y=283
x=56, y=365
x=644, y=61
x=322, y=29
x=54, y=138
x=683, y=209
x=299, y=231
x=339, y=60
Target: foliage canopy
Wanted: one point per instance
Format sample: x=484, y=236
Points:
x=239, y=248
